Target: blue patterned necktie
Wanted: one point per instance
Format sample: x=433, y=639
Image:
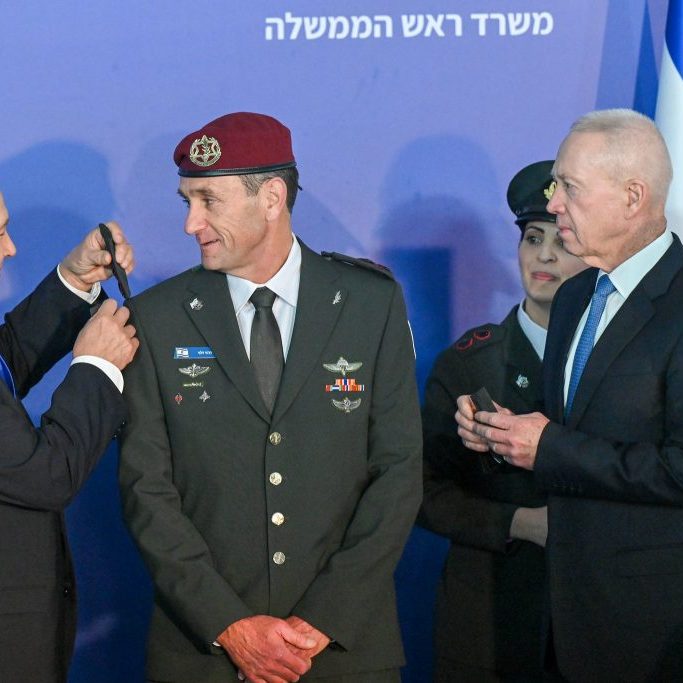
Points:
x=6, y=376
x=585, y=346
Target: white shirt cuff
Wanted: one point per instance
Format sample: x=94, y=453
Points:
x=89, y=297
x=109, y=369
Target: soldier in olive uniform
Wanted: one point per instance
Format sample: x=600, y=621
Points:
x=271, y=465
x=489, y=606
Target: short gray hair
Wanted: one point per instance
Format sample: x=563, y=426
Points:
x=634, y=146
x=252, y=183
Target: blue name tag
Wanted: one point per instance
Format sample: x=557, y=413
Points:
x=183, y=352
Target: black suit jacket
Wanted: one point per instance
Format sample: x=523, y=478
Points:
x=204, y=468
x=614, y=474
x=490, y=599
x=41, y=469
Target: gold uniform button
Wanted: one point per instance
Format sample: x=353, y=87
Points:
x=275, y=478
x=278, y=518
x=279, y=558
x=275, y=438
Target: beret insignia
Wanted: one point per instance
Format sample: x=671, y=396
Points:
x=550, y=190
x=205, y=151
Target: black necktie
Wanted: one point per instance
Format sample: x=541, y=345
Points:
x=266, y=346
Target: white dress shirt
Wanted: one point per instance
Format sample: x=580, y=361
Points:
x=625, y=278
x=109, y=369
x=285, y=284
x=534, y=332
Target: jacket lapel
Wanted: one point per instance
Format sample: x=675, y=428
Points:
x=634, y=314
x=216, y=321
x=625, y=325
x=523, y=366
x=321, y=300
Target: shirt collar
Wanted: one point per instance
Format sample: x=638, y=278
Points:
x=534, y=332
x=626, y=276
x=285, y=283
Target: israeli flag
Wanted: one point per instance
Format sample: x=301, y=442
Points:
x=669, y=114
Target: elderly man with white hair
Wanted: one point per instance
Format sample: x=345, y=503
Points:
x=609, y=450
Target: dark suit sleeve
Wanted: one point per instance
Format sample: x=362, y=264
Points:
x=41, y=330
x=576, y=463
x=44, y=467
x=450, y=506
x=179, y=559
x=360, y=572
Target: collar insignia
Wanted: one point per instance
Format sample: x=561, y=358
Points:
x=522, y=382
x=196, y=304
x=337, y=298
x=205, y=151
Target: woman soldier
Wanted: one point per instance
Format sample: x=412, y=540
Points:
x=489, y=605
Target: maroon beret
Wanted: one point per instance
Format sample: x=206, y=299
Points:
x=235, y=144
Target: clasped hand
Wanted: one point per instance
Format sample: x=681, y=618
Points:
x=514, y=437
x=270, y=650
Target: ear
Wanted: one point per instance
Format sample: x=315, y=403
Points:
x=636, y=194
x=274, y=193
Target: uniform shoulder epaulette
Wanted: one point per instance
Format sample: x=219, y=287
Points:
x=479, y=338
x=365, y=263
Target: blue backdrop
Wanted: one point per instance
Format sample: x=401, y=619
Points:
x=408, y=118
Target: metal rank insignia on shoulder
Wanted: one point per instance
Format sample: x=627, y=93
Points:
x=343, y=366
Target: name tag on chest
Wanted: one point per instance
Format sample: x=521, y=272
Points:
x=184, y=352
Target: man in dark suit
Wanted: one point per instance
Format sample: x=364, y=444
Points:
x=270, y=470
x=41, y=469
x=609, y=452
x=490, y=599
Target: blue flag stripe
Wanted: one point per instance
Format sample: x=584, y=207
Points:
x=674, y=33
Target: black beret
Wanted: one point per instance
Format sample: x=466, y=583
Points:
x=529, y=192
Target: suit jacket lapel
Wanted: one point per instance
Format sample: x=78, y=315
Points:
x=216, y=321
x=321, y=299
x=523, y=366
x=625, y=325
x=636, y=311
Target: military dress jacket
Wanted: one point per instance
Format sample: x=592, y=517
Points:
x=490, y=598
x=41, y=469
x=614, y=476
x=305, y=512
